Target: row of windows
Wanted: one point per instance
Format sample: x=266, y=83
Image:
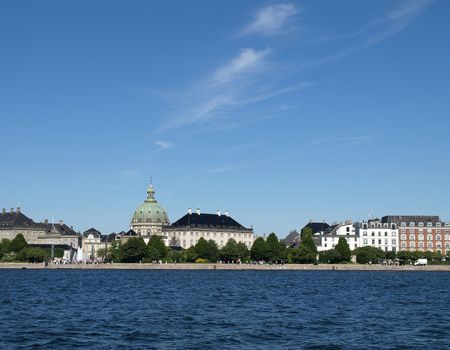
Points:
x=393, y=233
x=386, y=241
x=378, y=225
x=209, y=234
x=420, y=237
x=420, y=230
x=429, y=224
x=422, y=245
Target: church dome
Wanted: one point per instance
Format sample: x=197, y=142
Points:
x=150, y=211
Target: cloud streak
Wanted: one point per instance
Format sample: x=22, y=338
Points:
x=162, y=146
x=245, y=79
x=271, y=20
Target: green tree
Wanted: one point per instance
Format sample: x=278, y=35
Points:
x=365, y=255
x=307, y=241
x=343, y=249
x=157, y=245
x=5, y=247
x=259, y=250
x=33, y=254
x=302, y=255
x=243, y=252
x=229, y=251
x=207, y=250
x=275, y=248
x=331, y=256
x=133, y=250
x=18, y=243
x=307, y=231
x=116, y=251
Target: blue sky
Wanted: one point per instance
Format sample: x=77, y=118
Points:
x=280, y=112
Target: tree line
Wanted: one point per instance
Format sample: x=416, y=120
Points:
x=18, y=250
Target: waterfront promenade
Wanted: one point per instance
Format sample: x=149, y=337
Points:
x=263, y=267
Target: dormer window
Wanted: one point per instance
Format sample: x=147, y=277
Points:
x=412, y=224
x=420, y=224
x=429, y=224
x=403, y=224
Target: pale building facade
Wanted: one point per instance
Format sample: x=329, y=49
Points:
x=421, y=233
x=150, y=217
x=330, y=238
x=42, y=234
x=218, y=227
x=375, y=233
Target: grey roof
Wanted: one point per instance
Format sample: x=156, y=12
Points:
x=208, y=221
x=317, y=227
x=92, y=231
x=15, y=219
x=291, y=238
x=410, y=218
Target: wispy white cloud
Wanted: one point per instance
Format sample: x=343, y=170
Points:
x=247, y=78
x=392, y=22
x=271, y=19
x=242, y=147
x=352, y=140
x=161, y=146
x=129, y=173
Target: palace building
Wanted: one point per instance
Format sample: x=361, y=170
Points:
x=39, y=234
x=150, y=218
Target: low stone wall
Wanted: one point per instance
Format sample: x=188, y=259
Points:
x=287, y=267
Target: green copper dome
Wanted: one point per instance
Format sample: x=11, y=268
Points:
x=150, y=211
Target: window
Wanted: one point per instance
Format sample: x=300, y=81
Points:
x=420, y=224
x=403, y=237
x=373, y=241
x=420, y=237
x=438, y=237
x=412, y=237
x=403, y=224
x=438, y=245
x=447, y=237
x=412, y=244
x=379, y=234
x=412, y=224
x=438, y=224
x=429, y=237
x=430, y=244
x=386, y=233
x=365, y=241
x=429, y=224
x=420, y=244
x=373, y=233
x=403, y=244
x=447, y=245
x=365, y=233
x=379, y=241
x=394, y=241
x=393, y=234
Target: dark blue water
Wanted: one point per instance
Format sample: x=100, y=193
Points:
x=46, y=309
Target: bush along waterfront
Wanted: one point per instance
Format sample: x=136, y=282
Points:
x=18, y=250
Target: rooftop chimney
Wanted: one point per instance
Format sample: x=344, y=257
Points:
x=18, y=209
x=61, y=222
x=227, y=213
x=218, y=212
x=12, y=210
x=190, y=211
x=198, y=211
x=46, y=221
x=3, y=211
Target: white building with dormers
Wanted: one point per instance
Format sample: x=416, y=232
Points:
x=150, y=218
x=378, y=234
x=330, y=238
